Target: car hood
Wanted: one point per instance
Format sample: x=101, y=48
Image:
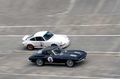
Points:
x=25, y=37
x=73, y=53
x=59, y=38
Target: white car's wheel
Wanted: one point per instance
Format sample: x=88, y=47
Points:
x=54, y=45
x=39, y=62
x=70, y=63
x=30, y=47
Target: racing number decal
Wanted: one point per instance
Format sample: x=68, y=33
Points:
x=41, y=43
x=50, y=59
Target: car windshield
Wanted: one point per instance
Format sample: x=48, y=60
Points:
x=57, y=51
x=48, y=35
x=40, y=51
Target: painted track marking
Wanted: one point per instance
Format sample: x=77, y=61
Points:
x=67, y=35
x=59, y=76
x=93, y=53
x=87, y=25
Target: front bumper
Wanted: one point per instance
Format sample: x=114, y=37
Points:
x=66, y=44
x=81, y=59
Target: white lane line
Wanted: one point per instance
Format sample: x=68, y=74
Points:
x=102, y=52
x=12, y=35
x=34, y=51
x=32, y=26
x=82, y=25
x=68, y=35
x=57, y=76
x=94, y=35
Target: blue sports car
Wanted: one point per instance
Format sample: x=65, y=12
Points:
x=54, y=54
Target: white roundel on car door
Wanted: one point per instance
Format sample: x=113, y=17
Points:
x=50, y=59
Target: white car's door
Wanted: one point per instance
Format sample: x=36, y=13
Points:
x=41, y=43
x=33, y=42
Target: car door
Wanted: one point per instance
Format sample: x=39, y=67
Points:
x=33, y=41
x=40, y=42
x=57, y=58
x=45, y=56
x=50, y=57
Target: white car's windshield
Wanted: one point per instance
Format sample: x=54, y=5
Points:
x=48, y=35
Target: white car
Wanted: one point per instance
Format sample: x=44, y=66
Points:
x=44, y=39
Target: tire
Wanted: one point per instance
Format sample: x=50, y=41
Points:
x=39, y=62
x=70, y=63
x=54, y=45
x=30, y=47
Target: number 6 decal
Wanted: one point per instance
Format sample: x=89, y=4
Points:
x=41, y=43
x=50, y=59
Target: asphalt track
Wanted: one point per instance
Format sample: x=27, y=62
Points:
x=92, y=25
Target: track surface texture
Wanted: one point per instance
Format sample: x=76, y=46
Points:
x=91, y=25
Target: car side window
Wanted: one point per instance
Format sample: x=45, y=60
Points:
x=46, y=53
x=39, y=39
x=32, y=39
x=49, y=53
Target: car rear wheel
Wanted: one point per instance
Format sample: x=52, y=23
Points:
x=39, y=62
x=30, y=47
x=70, y=63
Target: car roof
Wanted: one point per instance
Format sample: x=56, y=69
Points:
x=49, y=48
x=40, y=33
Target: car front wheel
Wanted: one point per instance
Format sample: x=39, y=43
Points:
x=54, y=45
x=70, y=63
x=39, y=62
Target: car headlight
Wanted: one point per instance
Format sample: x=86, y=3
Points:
x=62, y=44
